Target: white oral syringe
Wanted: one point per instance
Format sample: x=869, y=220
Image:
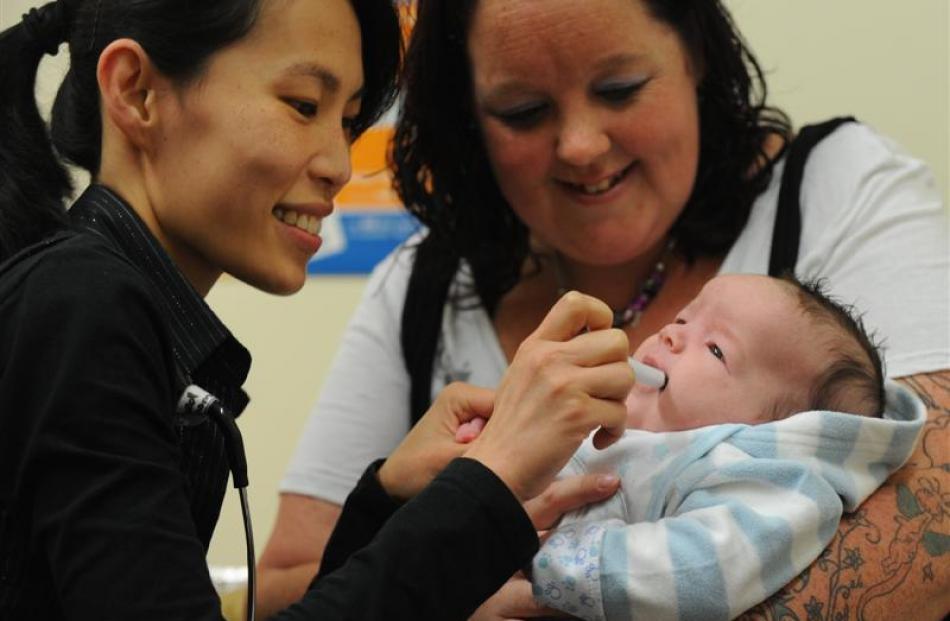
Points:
x=647, y=375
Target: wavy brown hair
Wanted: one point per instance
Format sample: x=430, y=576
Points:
x=442, y=173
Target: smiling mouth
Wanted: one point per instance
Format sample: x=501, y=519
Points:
x=603, y=186
x=304, y=222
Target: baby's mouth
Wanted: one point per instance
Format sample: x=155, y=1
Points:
x=648, y=374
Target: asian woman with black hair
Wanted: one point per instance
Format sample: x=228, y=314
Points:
x=217, y=135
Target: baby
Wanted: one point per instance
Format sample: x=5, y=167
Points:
x=752, y=349
x=773, y=421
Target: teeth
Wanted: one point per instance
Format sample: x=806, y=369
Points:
x=304, y=222
x=603, y=186
x=600, y=187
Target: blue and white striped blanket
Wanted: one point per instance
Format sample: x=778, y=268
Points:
x=711, y=521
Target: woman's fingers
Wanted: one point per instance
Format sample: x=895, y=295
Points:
x=538, y=422
x=611, y=416
x=611, y=382
x=568, y=494
x=563, y=383
x=573, y=313
x=432, y=444
x=466, y=402
x=597, y=347
x=560, y=387
x=605, y=436
x=567, y=379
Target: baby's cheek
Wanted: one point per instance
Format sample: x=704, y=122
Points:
x=633, y=411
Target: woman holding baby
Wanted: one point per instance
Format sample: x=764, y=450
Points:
x=625, y=149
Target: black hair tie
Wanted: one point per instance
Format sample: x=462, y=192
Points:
x=48, y=26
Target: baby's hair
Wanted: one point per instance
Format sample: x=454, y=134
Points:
x=853, y=380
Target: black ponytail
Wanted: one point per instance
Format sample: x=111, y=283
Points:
x=32, y=181
x=179, y=37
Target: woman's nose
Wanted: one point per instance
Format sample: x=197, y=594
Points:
x=582, y=140
x=331, y=164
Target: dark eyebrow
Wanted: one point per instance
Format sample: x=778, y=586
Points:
x=326, y=77
x=517, y=86
x=617, y=61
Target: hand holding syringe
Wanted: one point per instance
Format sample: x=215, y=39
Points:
x=643, y=373
x=647, y=375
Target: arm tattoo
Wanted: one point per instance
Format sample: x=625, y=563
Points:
x=890, y=559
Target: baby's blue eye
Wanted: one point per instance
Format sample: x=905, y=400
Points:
x=715, y=351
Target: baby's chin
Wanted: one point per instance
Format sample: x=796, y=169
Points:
x=642, y=412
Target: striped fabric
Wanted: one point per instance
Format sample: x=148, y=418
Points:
x=711, y=521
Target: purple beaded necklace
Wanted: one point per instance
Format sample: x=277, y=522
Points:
x=631, y=313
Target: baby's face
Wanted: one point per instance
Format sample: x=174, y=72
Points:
x=738, y=347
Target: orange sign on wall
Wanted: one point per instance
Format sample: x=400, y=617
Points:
x=369, y=220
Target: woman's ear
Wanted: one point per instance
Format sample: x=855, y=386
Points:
x=128, y=86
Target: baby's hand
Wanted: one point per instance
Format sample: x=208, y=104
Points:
x=468, y=431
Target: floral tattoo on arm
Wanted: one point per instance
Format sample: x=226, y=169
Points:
x=890, y=559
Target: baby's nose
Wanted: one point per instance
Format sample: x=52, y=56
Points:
x=671, y=335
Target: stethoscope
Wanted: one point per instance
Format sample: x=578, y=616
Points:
x=197, y=403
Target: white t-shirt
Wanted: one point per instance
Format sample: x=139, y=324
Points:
x=873, y=224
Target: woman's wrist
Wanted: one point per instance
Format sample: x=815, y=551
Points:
x=390, y=482
x=499, y=466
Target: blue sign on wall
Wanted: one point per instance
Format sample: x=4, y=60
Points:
x=355, y=241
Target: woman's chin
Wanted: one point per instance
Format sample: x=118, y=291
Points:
x=285, y=282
